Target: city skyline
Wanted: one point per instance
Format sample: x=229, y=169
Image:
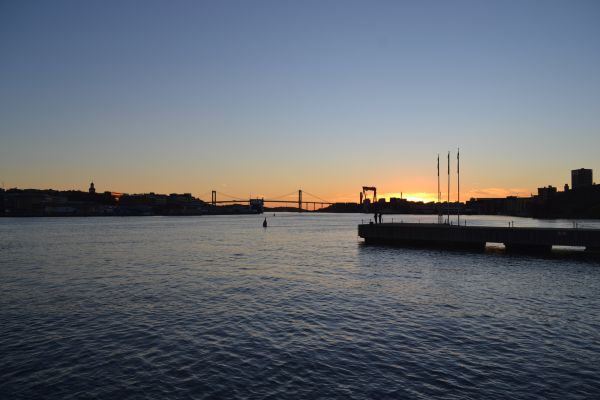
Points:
x=416, y=197
x=266, y=98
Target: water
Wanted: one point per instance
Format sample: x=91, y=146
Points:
x=219, y=308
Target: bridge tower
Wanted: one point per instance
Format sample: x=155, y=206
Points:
x=300, y=200
x=213, y=199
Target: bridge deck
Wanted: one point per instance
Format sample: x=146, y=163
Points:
x=477, y=236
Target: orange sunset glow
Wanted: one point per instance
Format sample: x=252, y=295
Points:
x=472, y=193
x=424, y=197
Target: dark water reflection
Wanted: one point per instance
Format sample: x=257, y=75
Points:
x=217, y=307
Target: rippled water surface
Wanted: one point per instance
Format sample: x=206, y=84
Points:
x=218, y=307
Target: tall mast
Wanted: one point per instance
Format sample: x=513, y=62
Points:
x=439, y=194
x=458, y=178
x=448, y=187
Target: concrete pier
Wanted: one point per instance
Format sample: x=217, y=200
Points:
x=519, y=239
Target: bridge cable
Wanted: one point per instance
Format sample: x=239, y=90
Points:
x=230, y=196
x=203, y=194
x=284, y=195
x=315, y=196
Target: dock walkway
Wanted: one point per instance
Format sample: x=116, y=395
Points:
x=476, y=237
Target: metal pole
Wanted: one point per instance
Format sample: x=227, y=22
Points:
x=439, y=194
x=458, y=178
x=448, y=187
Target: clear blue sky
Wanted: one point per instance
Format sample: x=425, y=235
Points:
x=262, y=98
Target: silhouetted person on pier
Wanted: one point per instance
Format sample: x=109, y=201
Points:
x=380, y=217
x=375, y=217
x=265, y=223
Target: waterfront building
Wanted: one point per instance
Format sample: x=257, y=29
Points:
x=511, y=205
x=545, y=193
x=580, y=178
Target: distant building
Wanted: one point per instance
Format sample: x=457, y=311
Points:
x=545, y=193
x=92, y=189
x=581, y=178
x=510, y=205
x=257, y=205
x=397, y=201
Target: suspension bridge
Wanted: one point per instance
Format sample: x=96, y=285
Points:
x=302, y=200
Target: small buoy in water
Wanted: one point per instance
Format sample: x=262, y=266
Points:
x=265, y=223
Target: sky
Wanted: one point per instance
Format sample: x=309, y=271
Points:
x=262, y=98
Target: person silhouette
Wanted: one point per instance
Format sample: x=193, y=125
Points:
x=265, y=223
